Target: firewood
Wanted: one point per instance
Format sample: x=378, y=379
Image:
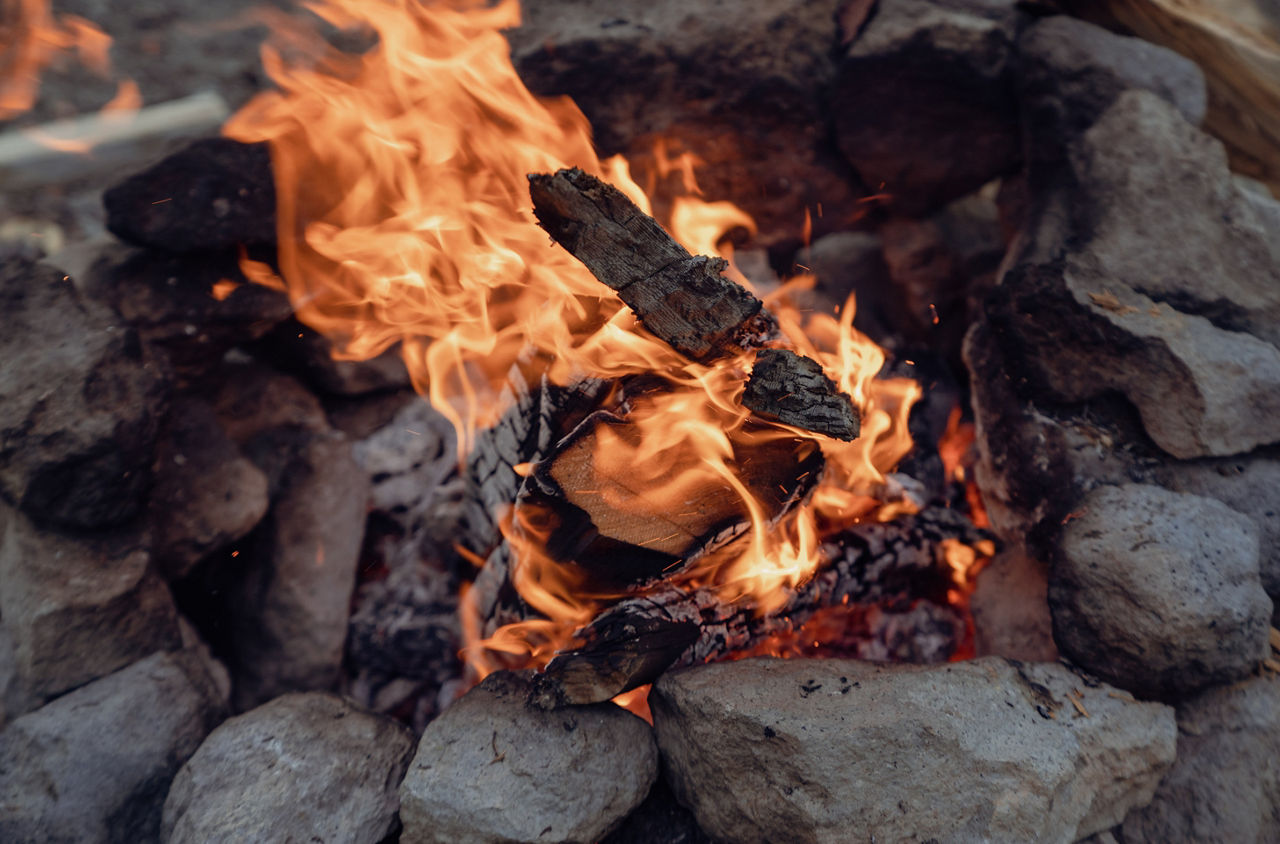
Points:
x=634, y=641
x=626, y=532
x=682, y=299
x=793, y=389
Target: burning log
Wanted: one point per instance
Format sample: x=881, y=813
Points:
x=683, y=299
x=637, y=639
x=624, y=531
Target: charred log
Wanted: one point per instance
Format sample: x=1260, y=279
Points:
x=793, y=389
x=682, y=299
x=865, y=564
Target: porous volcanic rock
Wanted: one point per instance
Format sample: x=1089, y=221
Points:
x=1225, y=785
x=494, y=769
x=207, y=494
x=79, y=403
x=304, y=767
x=95, y=764
x=212, y=194
x=923, y=103
x=812, y=750
x=78, y=609
x=1159, y=592
x=741, y=86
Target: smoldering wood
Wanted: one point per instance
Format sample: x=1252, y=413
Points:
x=793, y=389
x=681, y=298
x=615, y=528
x=864, y=564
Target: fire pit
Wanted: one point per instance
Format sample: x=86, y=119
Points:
x=837, y=422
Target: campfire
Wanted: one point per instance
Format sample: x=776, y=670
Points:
x=856, y=395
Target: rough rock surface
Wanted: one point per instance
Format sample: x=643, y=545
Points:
x=1225, y=785
x=304, y=767
x=94, y=765
x=290, y=600
x=194, y=307
x=738, y=85
x=79, y=400
x=923, y=103
x=1010, y=606
x=213, y=194
x=1146, y=276
x=1159, y=592
x=309, y=354
x=811, y=750
x=1070, y=71
x=78, y=609
x=206, y=493
x=494, y=769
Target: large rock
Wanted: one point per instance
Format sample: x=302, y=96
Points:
x=304, y=767
x=830, y=750
x=1010, y=607
x=1225, y=785
x=95, y=764
x=309, y=354
x=494, y=769
x=924, y=106
x=206, y=493
x=79, y=401
x=1122, y=282
x=1070, y=72
x=78, y=609
x=739, y=85
x=1159, y=592
x=290, y=598
x=213, y=194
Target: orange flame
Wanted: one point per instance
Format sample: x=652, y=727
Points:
x=404, y=216
x=32, y=38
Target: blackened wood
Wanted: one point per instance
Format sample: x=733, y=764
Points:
x=865, y=564
x=681, y=298
x=794, y=390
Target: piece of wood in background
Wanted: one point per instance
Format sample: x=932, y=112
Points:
x=865, y=564
x=793, y=389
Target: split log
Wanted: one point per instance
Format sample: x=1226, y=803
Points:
x=624, y=532
x=793, y=389
x=682, y=299
x=634, y=641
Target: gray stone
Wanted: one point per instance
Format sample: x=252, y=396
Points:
x=206, y=493
x=95, y=764
x=309, y=354
x=738, y=85
x=78, y=609
x=825, y=750
x=1010, y=607
x=1070, y=71
x=1225, y=785
x=1124, y=282
x=290, y=597
x=304, y=767
x=79, y=401
x=923, y=103
x=1159, y=592
x=494, y=769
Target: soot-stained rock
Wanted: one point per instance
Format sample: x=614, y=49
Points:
x=808, y=750
x=923, y=103
x=1225, y=785
x=1159, y=592
x=95, y=765
x=310, y=355
x=78, y=609
x=213, y=194
x=305, y=767
x=207, y=494
x=79, y=402
x=1010, y=606
x=740, y=86
x=494, y=769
